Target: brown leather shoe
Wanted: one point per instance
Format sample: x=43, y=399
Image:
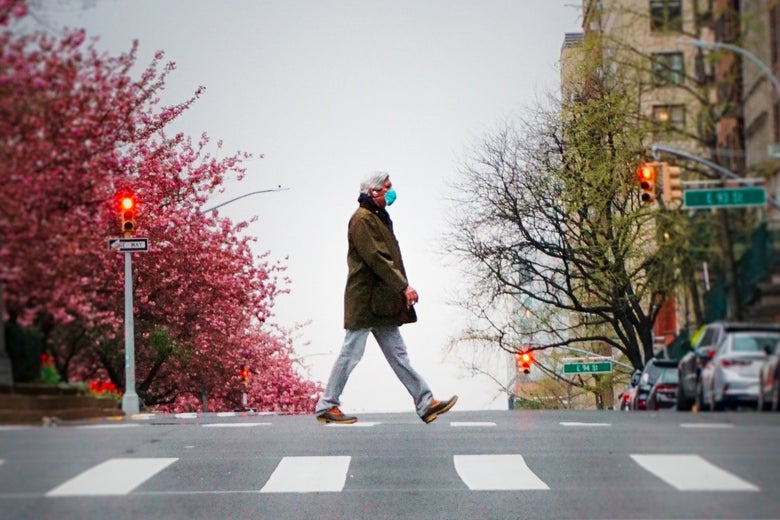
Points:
x=334, y=415
x=437, y=408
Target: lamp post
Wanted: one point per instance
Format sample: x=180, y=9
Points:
x=241, y=197
x=773, y=150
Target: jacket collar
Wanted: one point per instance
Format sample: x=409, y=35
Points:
x=369, y=204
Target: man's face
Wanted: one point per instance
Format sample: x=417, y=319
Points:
x=379, y=195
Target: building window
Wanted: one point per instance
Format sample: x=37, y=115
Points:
x=670, y=116
x=668, y=68
x=727, y=21
x=666, y=15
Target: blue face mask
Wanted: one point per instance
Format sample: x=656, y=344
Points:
x=390, y=197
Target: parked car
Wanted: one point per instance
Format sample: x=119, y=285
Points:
x=650, y=374
x=664, y=391
x=627, y=396
x=769, y=381
x=704, y=344
x=731, y=376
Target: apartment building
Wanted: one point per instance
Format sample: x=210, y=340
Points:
x=760, y=35
x=709, y=101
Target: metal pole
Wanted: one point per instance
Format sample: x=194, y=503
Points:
x=739, y=50
x=130, y=398
x=656, y=148
x=241, y=197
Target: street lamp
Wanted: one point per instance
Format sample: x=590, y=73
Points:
x=752, y=57
x=241, y=197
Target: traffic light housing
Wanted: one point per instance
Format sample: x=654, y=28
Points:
x=127, y=207
x=647, y=174
x=245, y=376
x=523, y=361
x=671, y=186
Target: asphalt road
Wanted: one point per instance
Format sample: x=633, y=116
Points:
x=475, y=465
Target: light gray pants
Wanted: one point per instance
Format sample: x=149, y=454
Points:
x=394, y=349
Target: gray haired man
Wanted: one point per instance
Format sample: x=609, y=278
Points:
x=378, y=300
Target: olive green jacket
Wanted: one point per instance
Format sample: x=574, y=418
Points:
x=374, y=295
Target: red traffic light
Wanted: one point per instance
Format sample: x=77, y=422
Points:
x=127, y=208
x=524, y=360
x=244, y=374
x=127, y=203
x=647, y=173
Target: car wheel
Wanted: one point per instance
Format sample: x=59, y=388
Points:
x=701, y=405
x=776, y=396
x=715, y=405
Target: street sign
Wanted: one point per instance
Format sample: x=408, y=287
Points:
x=595, y=367
x=724, y=198
x=128, y=245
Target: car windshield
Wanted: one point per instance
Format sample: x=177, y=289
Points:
x=754, y=341
x=651, y=373
x=668, y=376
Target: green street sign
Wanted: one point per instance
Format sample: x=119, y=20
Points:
x=598, y=367
x=724, y=198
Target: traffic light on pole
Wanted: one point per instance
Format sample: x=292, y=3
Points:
x=671, y=183
x=245, y=376
x=647, y=174
x=523, y=362
x=127, y=206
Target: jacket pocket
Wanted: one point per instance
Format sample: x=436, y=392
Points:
x=386, y=302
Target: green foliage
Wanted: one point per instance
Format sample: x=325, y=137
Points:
x=49, y=373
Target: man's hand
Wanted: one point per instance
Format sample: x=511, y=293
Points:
x=411, y=296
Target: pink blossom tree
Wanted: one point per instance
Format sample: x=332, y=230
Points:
x=75, y=130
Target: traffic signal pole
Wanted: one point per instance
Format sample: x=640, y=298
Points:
x=130, y=398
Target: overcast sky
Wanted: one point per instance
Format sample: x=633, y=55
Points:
x=327, y=91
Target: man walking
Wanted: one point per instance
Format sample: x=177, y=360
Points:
x=378, y=299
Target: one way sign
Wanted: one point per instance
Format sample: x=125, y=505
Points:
x=128, y=245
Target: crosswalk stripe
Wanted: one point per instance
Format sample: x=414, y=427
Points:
x=359, y=424
x=308, y=475
x=692, y=473
x=105, y=426
x=457, y=424
x=496, y=472
x=234, y=425
x=585, y=424
x=112, y=477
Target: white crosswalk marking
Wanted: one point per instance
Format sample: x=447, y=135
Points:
x=457, y=424
x=692, y=473
x=597, y=424
x=359, y=424
x=308, y=475
x=235, y=425
x=105, y=426
x=112, y=477
x=496, y=472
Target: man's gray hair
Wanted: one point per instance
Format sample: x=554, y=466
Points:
x=373, y=181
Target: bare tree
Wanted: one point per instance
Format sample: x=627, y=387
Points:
x=549, y=219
